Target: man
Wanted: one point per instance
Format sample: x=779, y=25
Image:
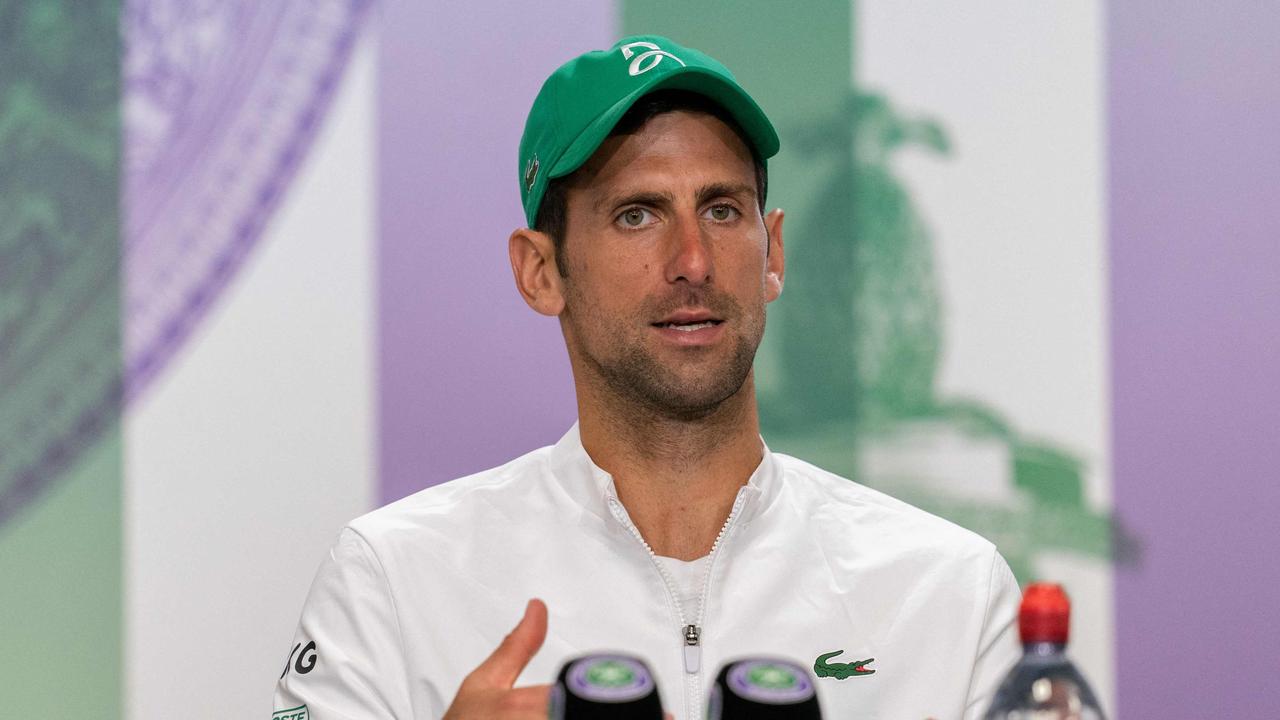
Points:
x=660, y=525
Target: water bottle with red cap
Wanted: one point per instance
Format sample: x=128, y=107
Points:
x=1044, y=685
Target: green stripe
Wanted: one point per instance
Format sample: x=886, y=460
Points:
x=61, y=604
x=796, y=61
x=62, y=597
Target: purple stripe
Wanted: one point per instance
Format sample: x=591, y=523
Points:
x=1195, y=231
x=468, y=376
x=226, y=124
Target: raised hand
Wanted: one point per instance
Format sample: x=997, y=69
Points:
x=488, y=692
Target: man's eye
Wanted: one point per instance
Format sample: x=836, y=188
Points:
x=721, y=213
x=635, y=217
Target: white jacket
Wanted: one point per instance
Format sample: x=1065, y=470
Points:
x=416, y=594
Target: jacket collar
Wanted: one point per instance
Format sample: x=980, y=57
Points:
x=591, y=487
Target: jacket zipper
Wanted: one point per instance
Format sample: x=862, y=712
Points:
x=691, y=633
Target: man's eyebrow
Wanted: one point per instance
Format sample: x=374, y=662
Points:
x=642, y=197
x=706, y=192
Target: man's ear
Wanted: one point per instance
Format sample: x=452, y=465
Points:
x=533, y=263
x=775, y=264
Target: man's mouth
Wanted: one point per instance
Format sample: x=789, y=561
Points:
x=688, y=326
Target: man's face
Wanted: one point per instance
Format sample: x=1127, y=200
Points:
x=669, y=265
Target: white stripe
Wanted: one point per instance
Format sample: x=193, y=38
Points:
x=257, y=445
x=1018, y=215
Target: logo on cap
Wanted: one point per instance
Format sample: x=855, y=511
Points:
x=531, y=173
x=645, y=61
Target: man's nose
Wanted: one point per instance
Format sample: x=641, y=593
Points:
x=690, y=258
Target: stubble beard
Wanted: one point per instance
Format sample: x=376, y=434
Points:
x=633, y=374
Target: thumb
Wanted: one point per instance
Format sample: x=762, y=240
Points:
x=516, y=650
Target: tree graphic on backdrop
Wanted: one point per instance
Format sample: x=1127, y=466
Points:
x=852, y=354
x=861, y=339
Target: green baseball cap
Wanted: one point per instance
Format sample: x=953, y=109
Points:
x=580, y=103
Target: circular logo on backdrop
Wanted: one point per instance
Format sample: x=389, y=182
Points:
x=775, y=682
x=126, y=285
x=609, y=678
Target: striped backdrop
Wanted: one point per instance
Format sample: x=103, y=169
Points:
x=253, y=283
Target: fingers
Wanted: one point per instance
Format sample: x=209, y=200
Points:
x=487, y=692
x=526, y=703
x=517, y=648
x=530, y=701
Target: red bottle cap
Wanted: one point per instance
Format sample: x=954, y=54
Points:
x=1045, y=615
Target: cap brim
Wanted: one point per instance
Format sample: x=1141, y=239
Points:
x=694, y=79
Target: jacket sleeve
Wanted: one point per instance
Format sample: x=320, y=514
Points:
x=347, y=659
x=998, y=645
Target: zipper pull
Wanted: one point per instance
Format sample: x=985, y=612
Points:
x=692, y=650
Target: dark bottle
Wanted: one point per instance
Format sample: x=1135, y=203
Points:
x=1044, y=685
x=611, y=686
x=763, y=688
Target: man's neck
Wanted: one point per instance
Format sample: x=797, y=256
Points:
x=678, y=478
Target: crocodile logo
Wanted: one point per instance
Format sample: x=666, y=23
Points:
x=839, y=670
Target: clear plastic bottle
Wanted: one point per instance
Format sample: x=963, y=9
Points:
x=1044, y=685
